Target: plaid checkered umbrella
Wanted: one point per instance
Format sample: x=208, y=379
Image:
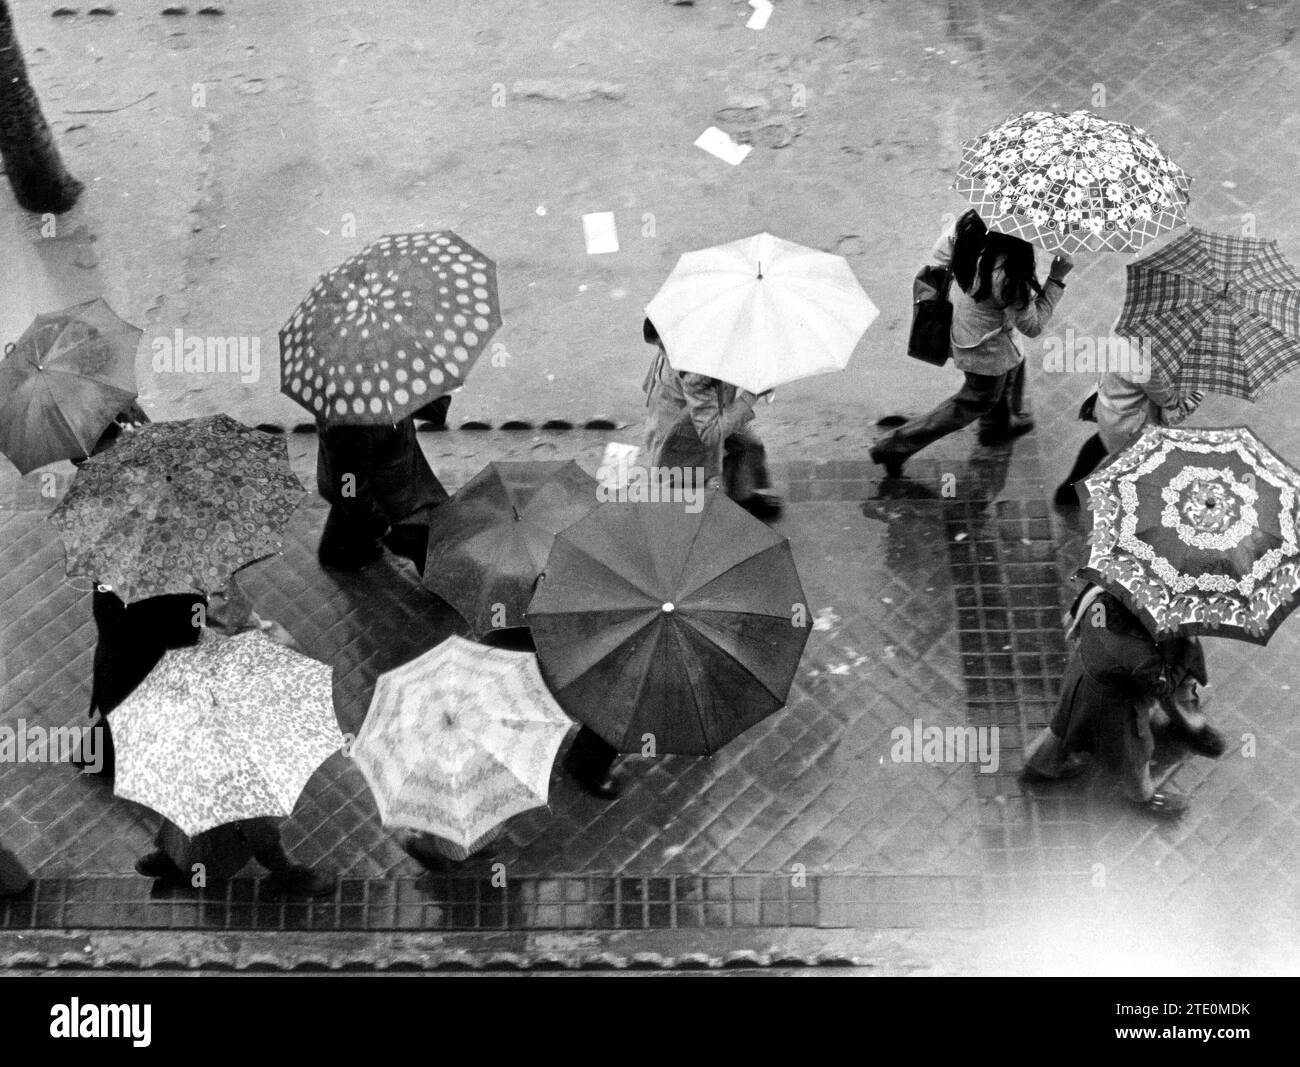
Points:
x=387, y=331
x=1071, y=182
x=1221, y=313
x=1196, y=531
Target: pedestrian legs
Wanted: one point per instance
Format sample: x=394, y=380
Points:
x=978, y=397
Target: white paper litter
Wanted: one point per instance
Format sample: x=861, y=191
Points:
x=615, y=464
x=601, y=233
x=717, y=143
x=762, y=12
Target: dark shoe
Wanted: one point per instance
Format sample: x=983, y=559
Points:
x=892, y=464
x=301, y=882
x=1066, y=497
x=161, y=866
x=763, y=505
x=602, y=789
x=349, y=559
x=1206, y=741
x=1018, y=427
x=1165, y=805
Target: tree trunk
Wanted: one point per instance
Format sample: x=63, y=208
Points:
x=31, y=159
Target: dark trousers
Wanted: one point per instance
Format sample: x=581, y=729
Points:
x=342, y=545
x=991, y=398
x=590, y=757
x=1089, y=459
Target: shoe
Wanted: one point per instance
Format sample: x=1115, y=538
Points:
x=1018, y=427
x=1207, y=741
x=353, y=560
x=1168, y=805
x=604, y=789
x=1065, y=496
x=159, y=865
x=763, y=505
x=892, y=464
x=299, y=881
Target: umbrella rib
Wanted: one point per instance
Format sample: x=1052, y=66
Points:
x=58, y=410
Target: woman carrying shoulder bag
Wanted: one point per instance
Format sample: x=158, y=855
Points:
x=996, y=292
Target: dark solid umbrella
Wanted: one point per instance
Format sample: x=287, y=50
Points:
x=489, y=542
x=390, y=329
x=63, y=382
x=651, y=620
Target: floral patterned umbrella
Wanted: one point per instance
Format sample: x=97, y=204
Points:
x=390, y=329
x=1196, y=531
x=458, y=740
x=1220, y=312
x=1073, y=181
x=62, y=383
x=178, y=507
x=230, y=728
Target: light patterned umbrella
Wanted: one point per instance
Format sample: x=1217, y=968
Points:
x=178, y=507
x=1072, y=181
x=390, y=329
x=760, y=312
x=230, y=728
x=63, y=382
x=1196, y=531
x=460, y=739
x=1221, y=313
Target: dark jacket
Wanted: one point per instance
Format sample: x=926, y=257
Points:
x=133, y=638
x=393, y=481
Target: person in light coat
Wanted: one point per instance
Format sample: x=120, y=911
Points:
x=698, y=423
x=995, y=292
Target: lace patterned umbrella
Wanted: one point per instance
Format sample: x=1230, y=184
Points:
x=1072, y=181
x=228, y=729
x=1221, y=313
x=1196, y=531
x=178, y=507
x=458, y=740
x=390, y=329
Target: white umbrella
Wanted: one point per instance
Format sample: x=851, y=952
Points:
x=760, y=312
x=460, y=739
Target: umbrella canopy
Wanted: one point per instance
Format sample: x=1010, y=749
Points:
x=387, y=331
x=1221, y=313
x=760, y=312
x=489, y=542
x=653, y=620
x=1195, y=530
x=63, y=382
x=460, y=739
x=178, y=507
x=1072, y=181
x=230, y=728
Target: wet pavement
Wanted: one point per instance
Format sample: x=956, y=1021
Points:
x=937, y=598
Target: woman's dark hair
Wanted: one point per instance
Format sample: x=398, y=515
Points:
x=1016, y=257
x=649, y=332
x=966, y=248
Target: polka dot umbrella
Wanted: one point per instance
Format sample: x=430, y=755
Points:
x=390, y=329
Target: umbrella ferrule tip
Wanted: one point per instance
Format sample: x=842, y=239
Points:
x=668, y=607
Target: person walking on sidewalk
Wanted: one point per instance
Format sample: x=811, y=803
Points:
x=179, y=861
x=381, y=491
x=995, y=292
x=1117, y=679
x=698, y=423
x=1122, y=407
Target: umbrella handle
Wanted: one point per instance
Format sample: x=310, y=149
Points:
x=9, y=347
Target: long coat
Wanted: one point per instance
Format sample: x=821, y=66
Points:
x=694, y=421
x=1114, y=675
x=393, y=482
x=133, y=638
